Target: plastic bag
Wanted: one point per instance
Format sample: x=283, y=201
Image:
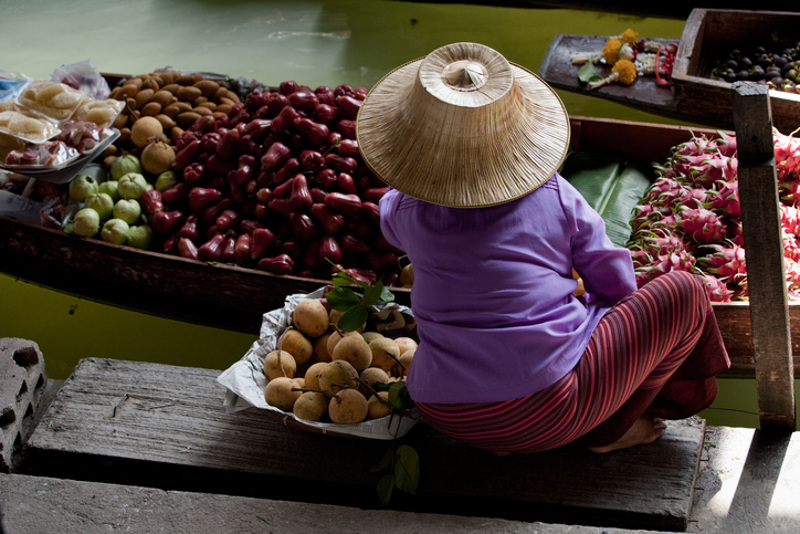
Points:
x=84, y=77
x=12, y=84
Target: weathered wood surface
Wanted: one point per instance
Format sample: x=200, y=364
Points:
x=165, y=426
x=694, y=97
x=758, y=189
x=558, y=70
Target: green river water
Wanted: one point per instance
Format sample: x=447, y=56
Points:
x=314, y=43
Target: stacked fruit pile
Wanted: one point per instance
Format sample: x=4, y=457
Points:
x=690, y=219
x=321, y=373
x=274, y=181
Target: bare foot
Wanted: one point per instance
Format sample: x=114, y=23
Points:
x=646, y=429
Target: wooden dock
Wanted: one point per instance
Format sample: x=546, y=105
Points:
x=158, y=439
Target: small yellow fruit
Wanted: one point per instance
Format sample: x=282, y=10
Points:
x=353, y=349
x=312, y=375
x=279, y=363
x=320, y=348
x=348, y=406
x=145, y=129
x=404, y=363
x=336, y=375
x=385, y=353
x=281, y=393
x=405, y=343
x=311, y=317
x=310, y=406
x=378, y=405
x=297, y=344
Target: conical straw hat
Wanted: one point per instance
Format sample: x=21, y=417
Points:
x=463, y=127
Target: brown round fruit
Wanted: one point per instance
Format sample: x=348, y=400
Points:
x=146, y=129
x=312, y=375
x=385, y=353
x=378, y=405
x=310, y=406
x=281, y=393
x=337, y=375
x=157, y=157
x=311, y=317
x=279, y=363
x=297, y=344
x=369, y=376
x=405, y=343
x=353, y=349
x=347, y=406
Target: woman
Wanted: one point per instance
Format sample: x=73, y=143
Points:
x=510, y=359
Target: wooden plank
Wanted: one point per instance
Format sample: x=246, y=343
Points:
x=769, y=313
x=165, y=426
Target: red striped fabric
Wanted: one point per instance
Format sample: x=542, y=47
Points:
x=657, y=351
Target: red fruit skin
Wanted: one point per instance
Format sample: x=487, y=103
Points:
x=187, y=154
x=275, y=156
x=347, y=204
x=166, y=222
x=349, y=106
x=262, y=239
x=300, y=195
x=151, y=202
x=348, y=148
x=330, y=221
x=329, y=249
x=315, y=132
x=280, y=264
x=202, y=197
x=190, y=228
x=211, y=250
x=289, y=168
x=243, y=248
x=187, y=249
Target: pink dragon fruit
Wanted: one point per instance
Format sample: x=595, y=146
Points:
x=697, y=145
x=789, y=191
x=664, y=263
x=725, y=261
x=791, y=246
x=787, y=156
x=712, y=170
x=724, y=199
x=702, y=225
x=717, y=289
x=790, y=219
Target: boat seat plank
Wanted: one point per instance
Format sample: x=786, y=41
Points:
x=165, y=426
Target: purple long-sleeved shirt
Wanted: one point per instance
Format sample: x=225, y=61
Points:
x=493, y=290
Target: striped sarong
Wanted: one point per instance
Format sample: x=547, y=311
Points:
x=656, y=352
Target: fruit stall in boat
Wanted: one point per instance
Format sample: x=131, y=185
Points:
x=689, y=79
x=235, y=292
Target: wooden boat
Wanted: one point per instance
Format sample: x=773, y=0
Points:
x=235, y=298
x=692, y=96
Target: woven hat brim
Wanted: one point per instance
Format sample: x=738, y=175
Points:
x=460, y=156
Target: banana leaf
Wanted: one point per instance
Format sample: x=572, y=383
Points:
x=611, y=185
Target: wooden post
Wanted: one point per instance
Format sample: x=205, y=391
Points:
x=769, y=310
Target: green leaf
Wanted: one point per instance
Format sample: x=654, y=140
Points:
x=587, y=72
x=386, y=294
x=385, y=487
x=406, y=469
x=399, y=399
x=372, y=293
x=385, y=462
x=353, y=319
x=342, y=298
x=611, y=185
